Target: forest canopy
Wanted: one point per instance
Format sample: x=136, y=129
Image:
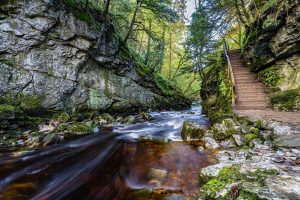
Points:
x=173, y=44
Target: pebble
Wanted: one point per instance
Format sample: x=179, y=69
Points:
x=278, y=159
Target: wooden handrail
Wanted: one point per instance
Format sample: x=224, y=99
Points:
x=230, y=74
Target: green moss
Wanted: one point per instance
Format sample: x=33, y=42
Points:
x=80, y=128
x=29, y=102
x=7, y=111
x=271, y=23
x=78, y=8
x=211, y=189
x=229, y=174
x=192, y=131
x=249, y=137
x=216, y=90
x=270, y=76
x=288, y=100
x=8, y=62
x=259, y=175
x=246, y=195
x=254, y=131
x=61, y=117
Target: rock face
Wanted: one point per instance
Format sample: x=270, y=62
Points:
x=72, y=64
x=276, y=43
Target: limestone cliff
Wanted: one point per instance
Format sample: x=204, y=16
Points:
x=272, y=49
x=274, y=41
x=71, y=61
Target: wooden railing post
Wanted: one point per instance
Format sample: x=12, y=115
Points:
x=230, y=74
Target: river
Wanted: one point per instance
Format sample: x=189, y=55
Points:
x=112, y=164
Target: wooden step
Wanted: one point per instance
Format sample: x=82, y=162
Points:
x=250, y=107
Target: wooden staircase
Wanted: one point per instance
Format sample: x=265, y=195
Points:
x=249, y=92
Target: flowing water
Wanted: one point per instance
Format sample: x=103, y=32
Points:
x=113, y=164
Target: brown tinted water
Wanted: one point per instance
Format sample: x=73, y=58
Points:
x=111, y=165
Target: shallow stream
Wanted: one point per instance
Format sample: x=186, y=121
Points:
x=112, y=164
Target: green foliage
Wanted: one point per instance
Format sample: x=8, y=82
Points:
x=61, y=117
x=270, y=76
x=215, y=90
x=270, y=24
x=287, y=100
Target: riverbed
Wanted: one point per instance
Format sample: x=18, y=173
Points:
x=146, y=160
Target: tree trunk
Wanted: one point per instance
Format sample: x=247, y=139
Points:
x=132, y=22
x=239, y=14
x=147, y=57
x=245, y=12
x=107, y=4
x=162, y=50
x=170, y=55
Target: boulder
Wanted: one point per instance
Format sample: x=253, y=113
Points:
x=192, y=131
x=211, y=143
x=239, y=141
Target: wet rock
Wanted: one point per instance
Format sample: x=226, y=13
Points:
x=238, y=140
x=192, y=131
x=50, y=139
x=142, y=117
x=283, y=187
x=159, y=174
x=46, y=128
x=221, y=132
x=267, y=134
x=95, y=130
x=278, y=159
x=296, y=151
x=213, y=170
x=211, y=143
x=201, y=150
x=285, y=136
x=228, y=144
x=34, y=141
x=255, y=143
x=129, y=120
x=297, y=161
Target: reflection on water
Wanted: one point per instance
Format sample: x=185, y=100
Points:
x=111, y=164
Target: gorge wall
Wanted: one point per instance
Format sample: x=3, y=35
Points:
x=67, y=60
x=273, y=45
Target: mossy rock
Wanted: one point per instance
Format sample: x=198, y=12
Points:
x=211, y=189
x=229, y=123
x=220, y=187
x=287, y=100
x=30, y=102
x=7, y=111
x=61, y=117
x=192, y=131
x=261, y=124
x=228, y=174
x=249, y=137
x=80, y=128
x=221, y=132
x=74, y=129
x=254, y=131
